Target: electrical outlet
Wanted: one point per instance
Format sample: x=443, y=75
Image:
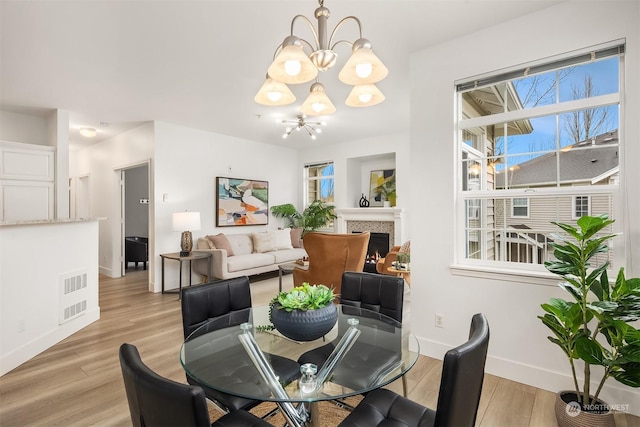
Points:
x=439, y=320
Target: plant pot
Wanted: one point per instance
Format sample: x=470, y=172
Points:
x=307, y=325
x=569, y=413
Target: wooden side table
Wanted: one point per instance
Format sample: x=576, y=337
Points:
x=405, y=274
x=176, y=256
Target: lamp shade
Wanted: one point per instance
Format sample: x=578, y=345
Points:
x=364, y=96
x=317, y=103
x=274, y=92
x=292, y=65
x=186, y=221
x=363, y=66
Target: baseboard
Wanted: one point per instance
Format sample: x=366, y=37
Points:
x=615, y=394
x=18, y=356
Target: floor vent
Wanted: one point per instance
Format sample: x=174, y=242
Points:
x=73, y=296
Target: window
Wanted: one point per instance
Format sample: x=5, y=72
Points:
x=580, y=206
x=319, y=182
x=536, y=144
x=520, y=207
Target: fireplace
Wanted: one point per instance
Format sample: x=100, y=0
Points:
x=379, y=220
x=378, y=248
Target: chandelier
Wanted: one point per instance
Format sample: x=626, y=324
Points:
x=301, y=123
x=292, y=65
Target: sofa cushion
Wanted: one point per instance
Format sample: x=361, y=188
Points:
x=248, y=261
x=262, y=242
x=240, y=243
x=220, y=241
x=288, y=255
x=281, y=239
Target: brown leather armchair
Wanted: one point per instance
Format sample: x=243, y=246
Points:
x=383, y=264
x=330, y=255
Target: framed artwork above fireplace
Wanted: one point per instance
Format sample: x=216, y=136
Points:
x=382, y=187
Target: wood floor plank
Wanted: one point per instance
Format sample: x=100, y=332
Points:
x=78, y=381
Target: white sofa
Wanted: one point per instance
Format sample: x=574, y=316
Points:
x=234, y=255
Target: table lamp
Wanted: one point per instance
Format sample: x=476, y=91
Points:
x=185, y=222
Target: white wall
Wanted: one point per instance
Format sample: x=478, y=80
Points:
x=26, y=128
x=100, y=162
x=186, y=164
x=34, y=259
x=519, y=349
x=364, y=155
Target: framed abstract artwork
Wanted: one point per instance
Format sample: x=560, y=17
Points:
x=382, y=187
x=241, y=202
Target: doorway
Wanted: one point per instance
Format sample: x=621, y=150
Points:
x=134, y=230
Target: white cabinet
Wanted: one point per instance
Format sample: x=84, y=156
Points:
x=27, y=174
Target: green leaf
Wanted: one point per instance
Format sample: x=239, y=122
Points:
x=590, y=351
x=628, y=375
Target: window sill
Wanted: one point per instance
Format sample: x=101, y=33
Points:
x=529, y=277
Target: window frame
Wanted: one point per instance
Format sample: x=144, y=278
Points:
x=493, y=268
x=574, y=206
x=513, y=207
x=308, y=179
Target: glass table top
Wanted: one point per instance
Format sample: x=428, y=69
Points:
x=382, y=351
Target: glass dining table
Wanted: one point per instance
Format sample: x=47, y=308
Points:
x=364, y=351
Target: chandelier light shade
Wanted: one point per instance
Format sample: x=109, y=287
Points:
x=274, y=92
x=185, y=222
x=298, y=61
x=317, y=103
x=363, y=66
x=292, y=65
x=364, y=96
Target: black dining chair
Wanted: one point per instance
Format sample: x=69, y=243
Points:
x=458, y=398
x=217, y=305
x=372, y=292
x=158, y=401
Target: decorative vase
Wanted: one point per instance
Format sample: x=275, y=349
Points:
x=570, y=414
x=308, y=325
x=364, y=203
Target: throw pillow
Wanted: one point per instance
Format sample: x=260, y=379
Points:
x=209, y=242
x=406, y=247
x=296, y=237
x=262, y=242
x=220, y=241
x=281, y=239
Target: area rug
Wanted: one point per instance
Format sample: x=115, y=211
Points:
x=330, y=414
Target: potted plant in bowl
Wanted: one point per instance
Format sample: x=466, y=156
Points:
x=595, y=325
x=305, y=313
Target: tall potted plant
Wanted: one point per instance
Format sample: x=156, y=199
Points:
x=317, y=215
x=594, y=325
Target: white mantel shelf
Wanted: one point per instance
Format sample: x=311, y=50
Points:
x=395, y=215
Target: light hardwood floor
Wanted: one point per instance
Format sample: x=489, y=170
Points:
x=78, y=381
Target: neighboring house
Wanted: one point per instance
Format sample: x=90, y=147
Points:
x=591, y=162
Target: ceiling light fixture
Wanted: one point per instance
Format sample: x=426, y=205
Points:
x=301, y=123
x=292, y=65
x=88, y=132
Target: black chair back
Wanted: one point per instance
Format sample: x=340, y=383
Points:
x=218, y=305
x=158, y=401
x=458, y=398
x=462, y=377
x=376, y=292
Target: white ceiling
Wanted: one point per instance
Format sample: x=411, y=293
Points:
x=200, y=63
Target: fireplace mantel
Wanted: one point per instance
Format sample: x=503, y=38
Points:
x=395, y=215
